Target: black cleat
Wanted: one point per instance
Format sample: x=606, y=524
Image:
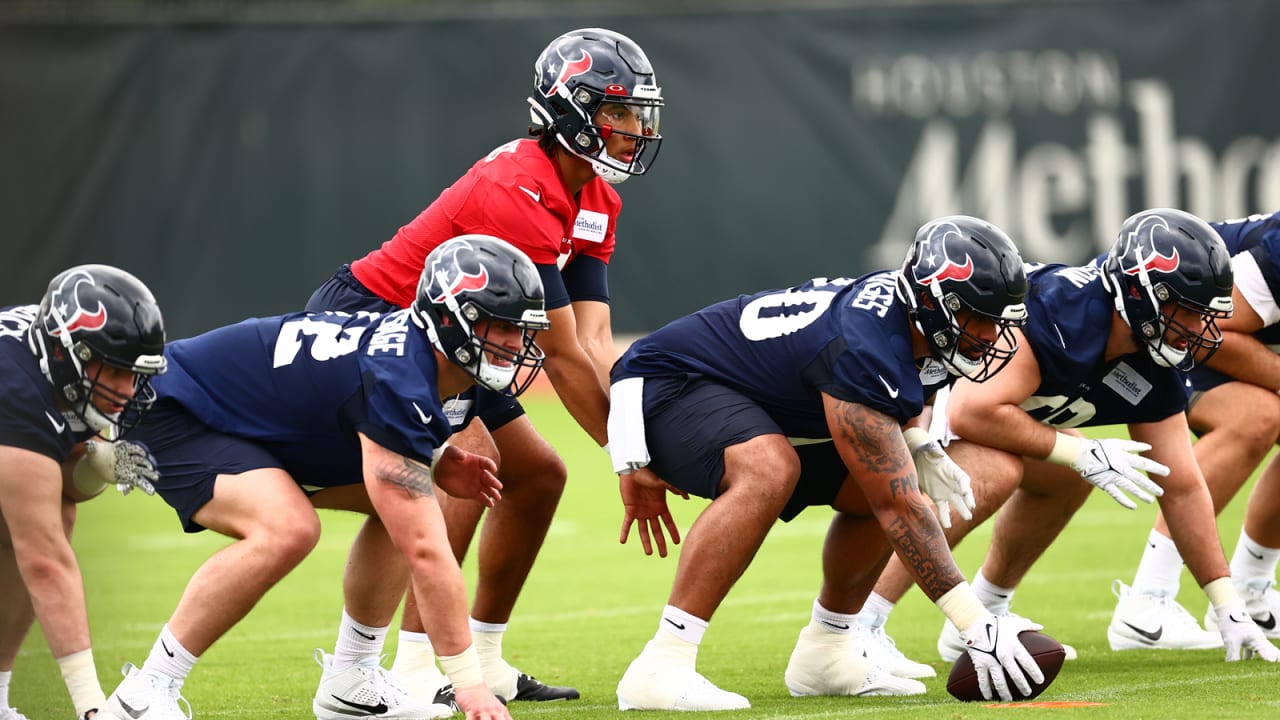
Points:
x=530, y=688
x=445, y=696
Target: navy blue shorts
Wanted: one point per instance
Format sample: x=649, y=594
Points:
x=190, y=455
x=690, y=420
x=344, y=293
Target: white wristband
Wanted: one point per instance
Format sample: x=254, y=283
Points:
x=463, y=669
x=1066, y=448
x=915, y=437
x=1221, y=592
x=961, y=606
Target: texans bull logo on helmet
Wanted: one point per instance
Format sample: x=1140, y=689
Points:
x=72, y=312
x=570, y=69
x=1143, y=238
x=449, y=262
x=935, y=265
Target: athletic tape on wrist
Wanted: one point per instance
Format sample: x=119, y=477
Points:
x=463, y=669
x=915, y=437
x=1221, y=592
x=961, y=606
x=1066, y=448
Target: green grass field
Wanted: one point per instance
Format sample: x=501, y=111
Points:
x=591, y=604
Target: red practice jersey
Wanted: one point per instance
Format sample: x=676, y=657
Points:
x=514, y=193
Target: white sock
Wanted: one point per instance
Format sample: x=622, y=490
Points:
x=1160, y=569
x=832, y=622
x=169, y=658
x=1253, y=560
x=5, y=678
x=357, y=642
x=993, y=597
x=681, y=624
x=670, y=650
x=875, y=611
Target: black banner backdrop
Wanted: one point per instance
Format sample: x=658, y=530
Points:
x=233, y=165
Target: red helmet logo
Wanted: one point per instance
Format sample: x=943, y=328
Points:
x=66, y=301
x=1154, y=262
x=935, y=261
x=571, y=69
x=449, y=276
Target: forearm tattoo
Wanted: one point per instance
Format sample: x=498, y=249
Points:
x=412, y=477
x=914, y=533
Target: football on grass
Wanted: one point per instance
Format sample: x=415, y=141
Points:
x=1047, y=653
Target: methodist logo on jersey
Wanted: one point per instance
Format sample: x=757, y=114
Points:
x=935, y=265
x=571, y=69
x=448, y=277
x=65, y=300
x=1144, y=236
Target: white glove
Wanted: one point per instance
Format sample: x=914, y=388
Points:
x=1241, y=637
x=994, y=647
x=940, y=478
x=127, y=465
x=1112, y=465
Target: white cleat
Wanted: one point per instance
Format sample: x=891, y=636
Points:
x=825, y=663
x=1155, y=621
x=1262, y=601
x=144, y=696
x=367, y=690
x=950, y=646
x=652, y=684
x=873, y=643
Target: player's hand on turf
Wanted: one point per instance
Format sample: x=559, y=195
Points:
x=1113, y=466
x=1241, y=636
x=478, y=703
x=644, y=503
x=995, y=649
x=944, y=481
x=468, y=476
x=127, y=465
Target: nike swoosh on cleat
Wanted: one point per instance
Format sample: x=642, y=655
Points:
x=1151, y=636
x=1267, y=624
x=132, y=713
x=366, y=636
x=378, y=709
x=837, y=626
x=678, y=626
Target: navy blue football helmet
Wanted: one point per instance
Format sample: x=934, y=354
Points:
x=577, y=74
x=99, y=313
x=961, y=263
x=473, y=278
x=1165, y=260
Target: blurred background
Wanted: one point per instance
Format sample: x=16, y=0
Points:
x=233, y=154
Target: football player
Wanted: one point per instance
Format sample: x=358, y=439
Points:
x=258, y=424
x=1235, y=411
x=75, y=375
x=1105, y=344
x=595, y=109
x=772, y=402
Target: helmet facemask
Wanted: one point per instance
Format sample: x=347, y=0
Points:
x=1161, y=308
x=953, y=340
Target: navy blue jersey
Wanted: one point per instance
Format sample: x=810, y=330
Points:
x=29, y=418
x=303, y=384
x=1258, y=235
x=848, y=338
x=1069, y=320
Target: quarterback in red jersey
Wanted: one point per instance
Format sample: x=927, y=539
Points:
x=594, y=111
